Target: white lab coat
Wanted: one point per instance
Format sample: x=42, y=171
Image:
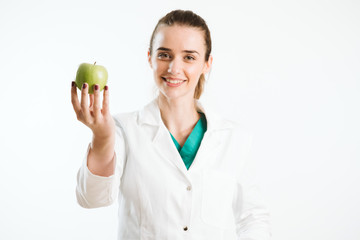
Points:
x=159, y=199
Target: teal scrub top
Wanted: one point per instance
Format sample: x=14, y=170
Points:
x=192, y=143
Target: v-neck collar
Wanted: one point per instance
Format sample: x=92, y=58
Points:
x=150, y=117
x=192, y=143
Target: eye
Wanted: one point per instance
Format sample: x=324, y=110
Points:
x=189, y=57
x=163, y=55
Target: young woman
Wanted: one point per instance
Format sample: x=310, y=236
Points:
x=179, y=170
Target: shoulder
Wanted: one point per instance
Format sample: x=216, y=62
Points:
x=217, y=122
x=125, y=119
x=149, y=113
x=229, y=125
x=238, y=131
x=232, y=134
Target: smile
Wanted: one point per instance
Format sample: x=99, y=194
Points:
x=173, y=83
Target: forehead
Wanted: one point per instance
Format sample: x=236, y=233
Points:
x=179, y=38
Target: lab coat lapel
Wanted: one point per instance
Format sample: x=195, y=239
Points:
x=164, y=145
x=212, y=138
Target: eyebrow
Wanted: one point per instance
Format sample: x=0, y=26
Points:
x=169, y=50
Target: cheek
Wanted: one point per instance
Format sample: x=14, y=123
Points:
x=160, y=67
x=194, y=70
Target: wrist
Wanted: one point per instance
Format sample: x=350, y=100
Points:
x=102, y=143
x=103, y=135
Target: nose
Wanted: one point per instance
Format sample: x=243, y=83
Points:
x=175, y=66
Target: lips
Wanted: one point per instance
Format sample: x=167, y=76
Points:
x=173, y=82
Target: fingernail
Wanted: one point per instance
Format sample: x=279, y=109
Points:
x=106, y=87
x=84, y=85
x=72, y=83
x=96, y=87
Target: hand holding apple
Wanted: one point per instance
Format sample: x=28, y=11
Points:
x=93, y=115
x=91, y=74
x=102, y=124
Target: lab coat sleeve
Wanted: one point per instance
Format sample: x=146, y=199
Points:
x=93, y=191
x=252, y=215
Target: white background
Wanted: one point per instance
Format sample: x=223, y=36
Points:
x=288, y=70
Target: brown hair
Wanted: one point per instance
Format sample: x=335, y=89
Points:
x=187, y=18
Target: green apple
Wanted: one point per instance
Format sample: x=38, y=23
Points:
x=91, y=74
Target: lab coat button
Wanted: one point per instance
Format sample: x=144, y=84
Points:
x=185, y=228
x=188, y=188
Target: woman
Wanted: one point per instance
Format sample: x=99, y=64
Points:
x=179, y=170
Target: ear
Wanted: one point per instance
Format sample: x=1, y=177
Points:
x=149, y=58
x=208, y=65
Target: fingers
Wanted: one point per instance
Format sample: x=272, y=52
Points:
x=85, y=113
x=84, y=103
x=105, y=109
x=91, y=100
x=74, y=98
x=96, y=106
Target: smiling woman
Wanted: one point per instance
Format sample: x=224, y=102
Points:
x=178, y=169
x=188, y=23
x=178, y=61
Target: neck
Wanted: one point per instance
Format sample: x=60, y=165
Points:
x=179, y=115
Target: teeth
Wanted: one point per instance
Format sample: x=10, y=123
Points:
x=173, y=81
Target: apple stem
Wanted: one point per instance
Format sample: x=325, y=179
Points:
x=94, y=63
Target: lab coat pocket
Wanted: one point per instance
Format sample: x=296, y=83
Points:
x=217, y=197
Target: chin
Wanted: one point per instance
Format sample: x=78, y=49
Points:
x=172, y=95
